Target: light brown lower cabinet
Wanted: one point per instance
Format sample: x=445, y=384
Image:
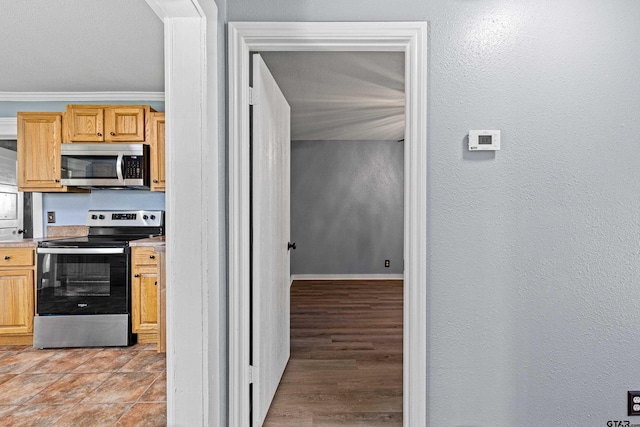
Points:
x=17, y=295
x=144, y=293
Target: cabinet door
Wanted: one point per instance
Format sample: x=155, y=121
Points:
x=125, y=124
x=16, y=302
x=157, y=140
x=144, y=299
x=85, y=123
x=39, y=138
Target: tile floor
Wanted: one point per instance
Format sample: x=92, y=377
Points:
x=82, y=387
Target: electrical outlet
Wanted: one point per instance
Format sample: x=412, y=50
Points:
x=633, y=403
x=51, y=217
x=387, y=263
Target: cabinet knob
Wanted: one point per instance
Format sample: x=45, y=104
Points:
x=56, y=180
x=155, y=181
x=99, y=134
x=136, y=275
x=152, y=256
x=7, y=257
x=155, y=284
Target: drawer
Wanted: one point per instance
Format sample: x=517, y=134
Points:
x=144, y=256
x=17, y=257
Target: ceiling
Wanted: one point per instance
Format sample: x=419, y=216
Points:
x=80, y=46
x=117, y=46
x=342, y=95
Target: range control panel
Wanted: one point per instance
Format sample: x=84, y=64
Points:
x=124, y=216
x=142, y=218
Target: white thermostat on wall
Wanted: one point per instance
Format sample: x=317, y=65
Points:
x=488, y=140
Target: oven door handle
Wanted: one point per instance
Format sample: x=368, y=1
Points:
x=81, y=251
x=119, y=166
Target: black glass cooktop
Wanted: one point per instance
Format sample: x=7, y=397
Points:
x=86, y=242
x=102, y=238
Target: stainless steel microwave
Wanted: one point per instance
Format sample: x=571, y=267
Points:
x=105, y=165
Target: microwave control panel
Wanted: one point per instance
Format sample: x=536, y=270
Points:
x=134, y=168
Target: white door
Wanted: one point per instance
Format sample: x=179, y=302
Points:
x=11, y=200
x=271, y=154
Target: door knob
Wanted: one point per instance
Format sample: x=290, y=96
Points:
x=20, y=231
x=291, y=246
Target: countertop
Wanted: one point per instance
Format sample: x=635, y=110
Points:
x=24, y=243
x=53, y=232
x=156, y=242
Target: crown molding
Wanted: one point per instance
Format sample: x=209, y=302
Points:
x=80, y=96
x=8, y=128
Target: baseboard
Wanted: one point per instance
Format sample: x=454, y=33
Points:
x=347, y=277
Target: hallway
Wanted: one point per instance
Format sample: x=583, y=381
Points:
x=346, y=356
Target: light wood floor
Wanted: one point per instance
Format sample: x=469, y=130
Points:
x=346, y=356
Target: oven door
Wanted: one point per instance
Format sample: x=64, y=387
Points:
x=82, y=281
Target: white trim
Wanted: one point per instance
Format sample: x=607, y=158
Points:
x=72, y=97
x=36, y=215
x=8, y=127
x=195, y=335
x=347, y=277
x=407, y=37
x=176, y=9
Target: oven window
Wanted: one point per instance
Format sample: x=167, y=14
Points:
x=82, y=284
x=79, y=277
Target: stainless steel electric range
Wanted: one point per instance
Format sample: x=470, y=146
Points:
x=83, y=286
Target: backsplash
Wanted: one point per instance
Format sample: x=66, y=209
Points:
x=71, y=209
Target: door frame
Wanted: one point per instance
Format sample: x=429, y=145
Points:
x=407, y=37
x=9, y=130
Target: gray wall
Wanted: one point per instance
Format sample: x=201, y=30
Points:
x=533, y=254
x=346, y=207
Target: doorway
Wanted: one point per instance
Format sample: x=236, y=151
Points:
x=346, y=126
x=407, y=37
x=15, y=206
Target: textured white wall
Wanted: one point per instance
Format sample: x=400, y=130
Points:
x=534, y=252
x=80, y=46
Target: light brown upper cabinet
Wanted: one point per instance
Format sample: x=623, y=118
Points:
x=39, y=138
x=156, y=140
x=106, y=123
